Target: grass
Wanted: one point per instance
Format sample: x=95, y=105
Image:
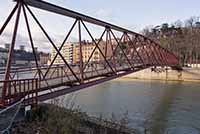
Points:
x=64, y=118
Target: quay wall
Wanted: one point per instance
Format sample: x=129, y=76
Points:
x=187, y=74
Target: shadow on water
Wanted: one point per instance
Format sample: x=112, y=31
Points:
x=164, y=118
x=161, y=112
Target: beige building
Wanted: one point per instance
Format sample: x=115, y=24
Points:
x=71, y=52
x=44, y=58
x=67, y=53
x=87, y=48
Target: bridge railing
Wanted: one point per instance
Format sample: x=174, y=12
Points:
x=18, y=89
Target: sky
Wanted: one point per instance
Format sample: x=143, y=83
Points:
x=131, y=14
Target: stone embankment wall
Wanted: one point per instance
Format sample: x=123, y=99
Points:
x=187, y=74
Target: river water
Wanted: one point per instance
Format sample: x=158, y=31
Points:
x=164, y=107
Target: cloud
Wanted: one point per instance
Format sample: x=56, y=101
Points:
x=104, y=13
x=58, y=2
x=131, y=27
x=23, y=40
x=39, y=40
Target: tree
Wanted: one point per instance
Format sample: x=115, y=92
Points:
x=181, y=38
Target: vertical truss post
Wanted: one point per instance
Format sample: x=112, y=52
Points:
x=80, y=52
x=10, y=54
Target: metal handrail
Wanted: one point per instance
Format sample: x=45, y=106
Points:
x=7, y=129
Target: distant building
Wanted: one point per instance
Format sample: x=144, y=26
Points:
x=44, y=58
x=67, y=53
x=24, y=58
x=36, y=49
x=3, y=56
x=22, y=48
x=87, y=48
x=7, y=46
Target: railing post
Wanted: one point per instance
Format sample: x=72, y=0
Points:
x=20, y=89
x=28, y=91
x=62, y=69
x=80, y=52
x=15, y=89
x=36, y=91
x=9, y=90
x=57, y=68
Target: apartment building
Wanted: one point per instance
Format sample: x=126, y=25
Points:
x=67, y=53
x=87, y=48
x=71, y=52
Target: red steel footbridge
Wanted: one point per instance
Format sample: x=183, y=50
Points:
x=115, y=53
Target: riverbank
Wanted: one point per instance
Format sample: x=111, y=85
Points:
x=51, y=119
x=186, y=75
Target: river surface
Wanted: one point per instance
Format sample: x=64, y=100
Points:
x=164, y=107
